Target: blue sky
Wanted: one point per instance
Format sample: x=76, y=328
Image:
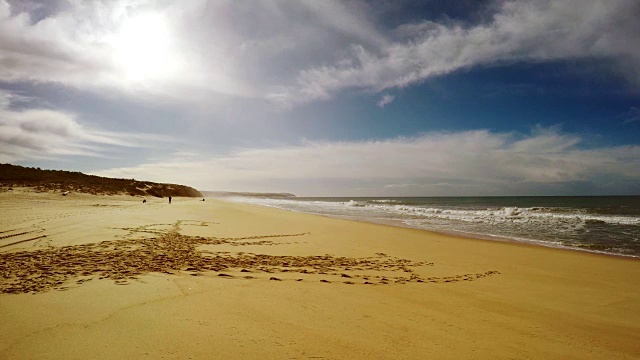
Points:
x=328, y=98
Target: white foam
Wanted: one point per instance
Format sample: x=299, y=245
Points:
x=487, y=216
x=507, y=215
x=385, y=201
x=355, y=203
x=552, y=226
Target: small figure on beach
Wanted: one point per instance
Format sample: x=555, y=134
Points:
x=202, y=199
x=144, y=201
x=169, y=199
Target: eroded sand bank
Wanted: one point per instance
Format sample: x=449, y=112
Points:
x=101, y=277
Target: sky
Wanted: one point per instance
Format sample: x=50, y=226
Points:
x=328, y=98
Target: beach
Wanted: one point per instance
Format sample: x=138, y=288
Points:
x=103, y=277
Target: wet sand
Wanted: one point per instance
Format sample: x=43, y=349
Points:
x=85, y=276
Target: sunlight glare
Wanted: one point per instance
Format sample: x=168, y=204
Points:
x=143, y=48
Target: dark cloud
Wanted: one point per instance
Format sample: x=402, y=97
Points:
x=38, y=9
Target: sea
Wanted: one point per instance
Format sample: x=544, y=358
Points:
x=600, y=224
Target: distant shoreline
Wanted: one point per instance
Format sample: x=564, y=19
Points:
x=261, y=195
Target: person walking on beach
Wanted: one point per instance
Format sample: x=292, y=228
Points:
x=169, y=199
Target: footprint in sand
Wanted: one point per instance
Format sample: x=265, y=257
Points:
x=171, y=253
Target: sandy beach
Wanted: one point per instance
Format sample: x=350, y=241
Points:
x=102, y=277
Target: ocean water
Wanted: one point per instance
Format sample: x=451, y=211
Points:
x=603, y=224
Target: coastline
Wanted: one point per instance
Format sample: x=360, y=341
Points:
x=454, y=233
x=476, y=299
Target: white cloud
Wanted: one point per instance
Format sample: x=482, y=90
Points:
x=385, y=100
x=134, y=47
x=51, y=134
x=464, y=163
x=178, y=50
x=521, y=30
x=291, y=52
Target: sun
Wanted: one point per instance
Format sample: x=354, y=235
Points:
x=143, y=48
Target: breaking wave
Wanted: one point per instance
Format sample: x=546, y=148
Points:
x=602, y=228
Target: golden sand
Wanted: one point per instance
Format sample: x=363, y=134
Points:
x=105, y=277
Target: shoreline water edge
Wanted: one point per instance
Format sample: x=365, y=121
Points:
x=605, y=225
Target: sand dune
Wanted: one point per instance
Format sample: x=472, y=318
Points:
x=107, y=276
